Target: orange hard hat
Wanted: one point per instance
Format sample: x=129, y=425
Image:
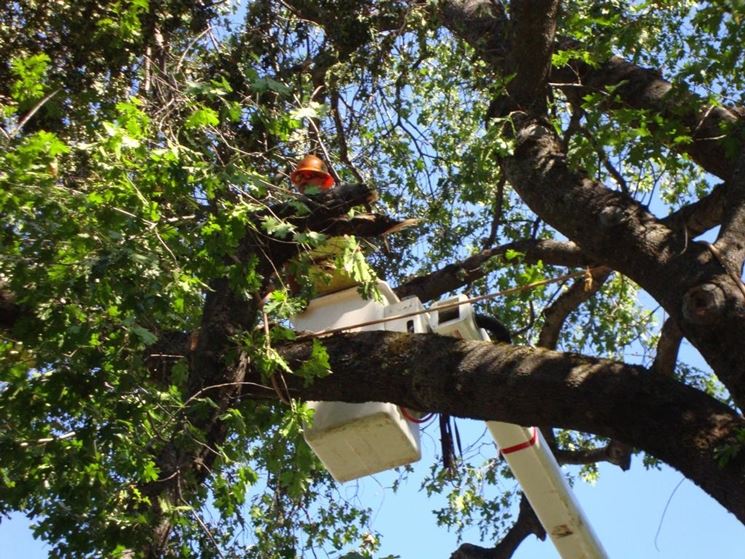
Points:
x=312, y=167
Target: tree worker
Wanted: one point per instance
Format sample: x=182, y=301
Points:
x=311, y=171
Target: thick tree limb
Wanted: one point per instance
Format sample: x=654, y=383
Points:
x=226, y=314
x=532, y=386
x=367, y=225
x=683, y=276
x=705, y=293
x=325, y=205
x=482, y=24
x=484, y=28
x=431, y=286
x=731, y=241
x=529, y=58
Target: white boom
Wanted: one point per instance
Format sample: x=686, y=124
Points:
x=354, y=440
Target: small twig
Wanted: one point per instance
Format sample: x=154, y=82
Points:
x=497, y=218
x=32, y=112
x=48, y=439
x=325, y=151
x=574, y=125
x=199, y=520
x=283, y=396
x=162, y=242
x=615, y=173
x=190, y=46
x=223, y=385
x=341, y=136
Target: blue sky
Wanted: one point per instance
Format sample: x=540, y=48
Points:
x=626, y=510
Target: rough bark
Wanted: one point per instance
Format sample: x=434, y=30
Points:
x=695, y=289
x=699, y=216
x=483, y=24
x=731, y=241
x=667, y=349
x=529, y=58
x=536, y=386
x=683, y=276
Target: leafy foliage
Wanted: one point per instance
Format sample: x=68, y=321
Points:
x=145, y=148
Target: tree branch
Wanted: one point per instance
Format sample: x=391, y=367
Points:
x=700, y=216
x=667, y=349
x=534, y=386
x=529, y=58
x=226, y=313
x=684, y=277
x=578, y=293
x=701, y=295
x=614, y=452
x=731, y=241
x=527, y=524
x=482, y=24
x=459, y=274
x=644, y=88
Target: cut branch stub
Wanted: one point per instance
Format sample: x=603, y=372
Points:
x=703, y=304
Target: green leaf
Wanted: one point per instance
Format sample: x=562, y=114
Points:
x=147, y=337
x=268, y=84
x=202, y=118
x=277, y=227
x=30, y=72
x=511, y=254
x=282, y=305
x=317, y=365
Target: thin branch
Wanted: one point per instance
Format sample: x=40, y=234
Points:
x=341, y=136
x=201, y=523
x=190, y=46
x=459, y=274
x=573, y=126
x=615, y=173
x=32, y=112
x=527, y=524
x=498, y=203
x=555, y=315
